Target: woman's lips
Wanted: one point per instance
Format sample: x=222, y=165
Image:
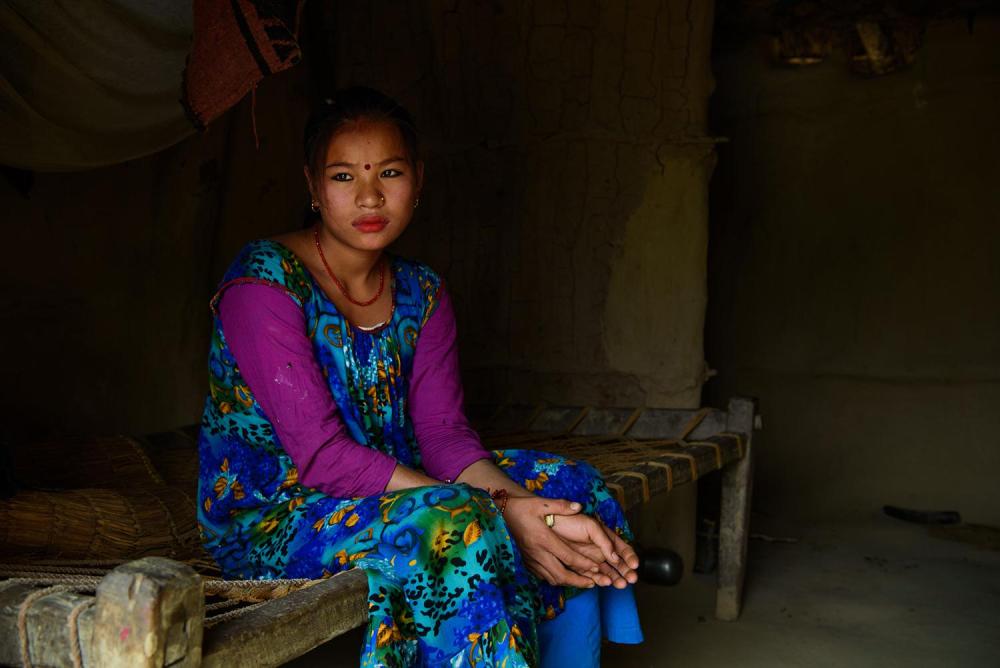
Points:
x=370, y=224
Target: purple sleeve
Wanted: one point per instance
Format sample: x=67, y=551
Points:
x=266, y=333
x=447, y=443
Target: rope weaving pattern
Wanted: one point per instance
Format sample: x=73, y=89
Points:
x=669, y=472
x=58, y=569
x=619, y=492
x=64, y=564
x=656, y=464
x=577, y=420
x=643, y=479
x=239, y=597
x=144, y=458
x=539, y=409
x=81, y=582
x=630, y=422
x=254, y=590
x=221, y=605
x=22, y=619
x=174, y=532
x=74, y=631
x=239, y=590
x=687, y=456
x=693, y=423
x=635, y=469
x=232, y=614
x=739, y=441
x=715, y=446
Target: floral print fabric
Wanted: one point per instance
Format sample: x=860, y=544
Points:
x=447, y=586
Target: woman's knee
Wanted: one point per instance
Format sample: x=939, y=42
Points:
x=437, y=527
x=573, y=480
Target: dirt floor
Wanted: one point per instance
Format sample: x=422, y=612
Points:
x=876, y=592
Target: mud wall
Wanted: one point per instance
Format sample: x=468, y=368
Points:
x=854, y=275
x=566, y=194
x=105, y=284
x=566, y=205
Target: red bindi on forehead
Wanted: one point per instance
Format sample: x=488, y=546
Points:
x=367, y=166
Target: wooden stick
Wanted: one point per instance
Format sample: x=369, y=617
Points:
x=737, y=480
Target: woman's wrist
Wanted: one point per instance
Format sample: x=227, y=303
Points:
x=486, y=475
x=404, y=477
x=500, y=498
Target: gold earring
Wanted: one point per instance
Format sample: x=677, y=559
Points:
x=314, y=206
x=416, y=203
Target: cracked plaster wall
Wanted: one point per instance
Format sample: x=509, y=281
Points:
x=566, y=194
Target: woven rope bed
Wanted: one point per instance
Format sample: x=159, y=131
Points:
x=103, y=612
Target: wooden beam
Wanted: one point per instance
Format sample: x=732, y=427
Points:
x=290, y=626
x=47, y=625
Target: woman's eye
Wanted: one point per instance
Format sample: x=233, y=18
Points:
x=388, y=173
x=341, y=176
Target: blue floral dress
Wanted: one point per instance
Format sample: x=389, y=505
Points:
x=447, y=586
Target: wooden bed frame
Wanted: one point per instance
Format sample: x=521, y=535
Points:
x=152, y=612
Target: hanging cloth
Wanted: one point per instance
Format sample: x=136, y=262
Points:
x=91, y=82
x=236, y=44
x=97, y=82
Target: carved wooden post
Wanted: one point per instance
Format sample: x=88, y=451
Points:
x=734, y=525
x=149, y=614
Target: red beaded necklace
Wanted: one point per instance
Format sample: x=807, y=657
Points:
x=343, y=288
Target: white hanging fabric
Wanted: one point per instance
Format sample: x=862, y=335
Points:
x=91, y=82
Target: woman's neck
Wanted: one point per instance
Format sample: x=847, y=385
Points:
x=356, y=269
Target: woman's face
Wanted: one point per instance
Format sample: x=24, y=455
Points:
x=368, y=185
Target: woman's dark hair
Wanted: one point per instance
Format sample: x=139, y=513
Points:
x=353, y=104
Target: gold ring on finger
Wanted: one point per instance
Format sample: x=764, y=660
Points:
x=550, y=520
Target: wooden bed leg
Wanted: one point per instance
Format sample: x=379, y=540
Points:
x=149, y=614
x=734, y=525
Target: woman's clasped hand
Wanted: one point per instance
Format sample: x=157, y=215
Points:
x=577, y=550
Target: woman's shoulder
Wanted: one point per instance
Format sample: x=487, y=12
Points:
x=267, y=262
x=263, y=258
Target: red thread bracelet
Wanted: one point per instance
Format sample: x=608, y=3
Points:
x=500, y=497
